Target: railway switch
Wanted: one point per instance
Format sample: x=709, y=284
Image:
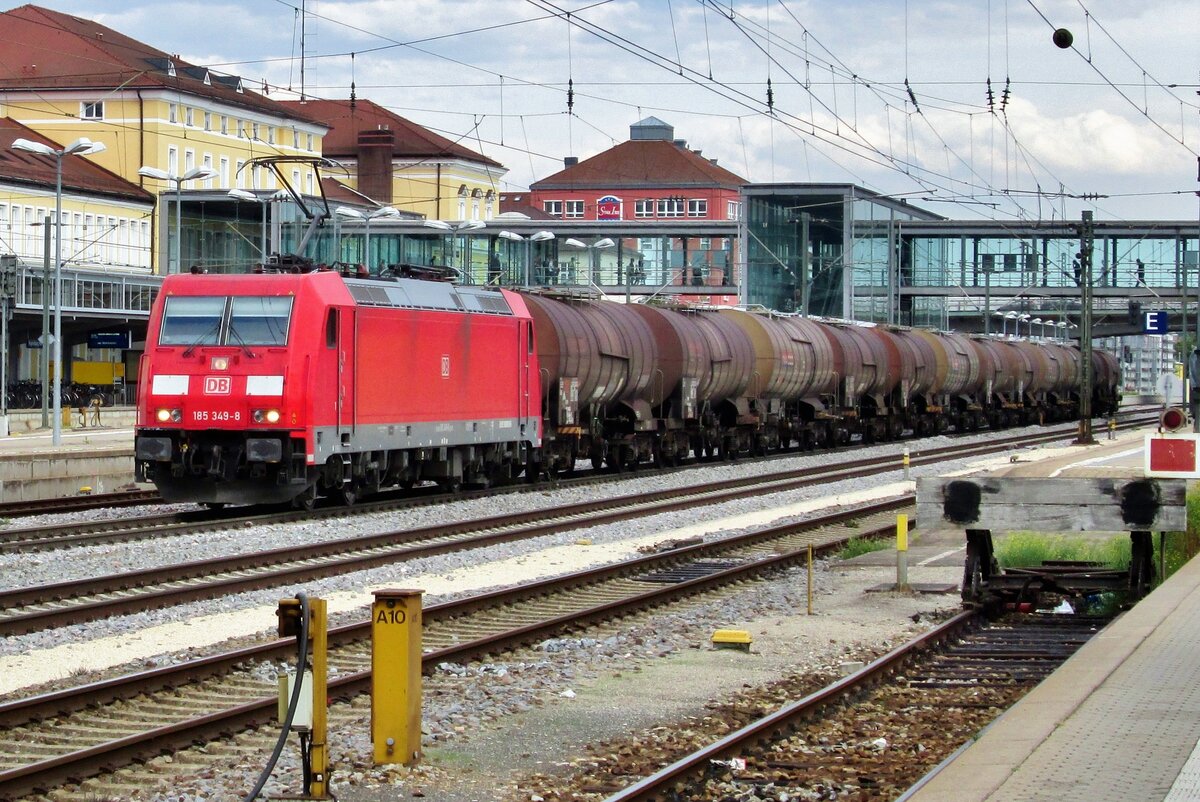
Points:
x=396, y=676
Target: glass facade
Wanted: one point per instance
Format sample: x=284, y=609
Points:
x=804, y=240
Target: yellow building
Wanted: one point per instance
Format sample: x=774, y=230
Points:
x=396, y=162
x=67, y=77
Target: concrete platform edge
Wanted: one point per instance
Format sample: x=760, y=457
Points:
x=999, y=750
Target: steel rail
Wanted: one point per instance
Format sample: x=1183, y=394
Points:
x=50, y=772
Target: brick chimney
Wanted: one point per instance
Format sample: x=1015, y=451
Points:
x=375, y=164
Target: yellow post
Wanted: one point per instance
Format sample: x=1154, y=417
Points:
x=396, y=676
x=810, y=578
x=1112, y=428
x=318, y=750
x=901, y=552
x=905, y=462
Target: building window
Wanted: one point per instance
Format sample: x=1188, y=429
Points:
x=190, y=116
x=308, y=143
x=270, y=135
x=92, y=111
x=697, y=207
x=224, y=171
x=295, y=139
x=733, y=211
x=240, y=174
x=254, y=132
x=553, y=208
x=208, y=162
x=172, y=113
x=208, y=121
x=240, y=130
x=643, y=208
x=224, y=124
x=172, y=160
x=670, y=207
x=574, y=209
x=189, y=159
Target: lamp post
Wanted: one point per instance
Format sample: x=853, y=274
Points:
x=1013, y=317
x=242, y=194
x=1003, y=323
x=367, y=217
x=454, y=230
x=1022, y=319
x=537, y=236
x=598, y=245
x=80, y=147
x=1038, y=321
x=162, y=175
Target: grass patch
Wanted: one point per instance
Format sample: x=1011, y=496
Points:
x=1028, y=549
x=857, y=546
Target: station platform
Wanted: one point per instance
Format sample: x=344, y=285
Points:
x=99, y=458
x=1120, y=720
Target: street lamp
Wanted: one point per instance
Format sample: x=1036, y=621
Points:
x=242, y=194
x=162, y=175
x=80, y=147
x=1003, y=323
x=1021, y=319
x=537, y=236
x=455, y=229
x=598, y=245
x=367, y=217
x=1038, y=321
x=1013, y=317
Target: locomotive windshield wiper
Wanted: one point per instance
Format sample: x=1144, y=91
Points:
x=215, y=328
x=233, y=335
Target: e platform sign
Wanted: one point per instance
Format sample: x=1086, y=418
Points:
x=1155, y=322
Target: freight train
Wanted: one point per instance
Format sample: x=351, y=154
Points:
x=287, y=387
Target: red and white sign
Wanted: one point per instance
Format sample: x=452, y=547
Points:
x=1172, y=456
x=217, y=385
x=608, y=208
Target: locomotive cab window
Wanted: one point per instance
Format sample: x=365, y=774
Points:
x=331, y=322
x=240, y=320
x=192, y=320
x=259, y=320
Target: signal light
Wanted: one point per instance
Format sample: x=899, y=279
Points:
x=1172, y=419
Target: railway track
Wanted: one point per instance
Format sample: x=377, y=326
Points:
x=70, y=734
x=90, y=533
x=868, y=736
x=92, y=501
x=41, y=607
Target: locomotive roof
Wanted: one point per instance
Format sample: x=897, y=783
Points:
x=400, y=293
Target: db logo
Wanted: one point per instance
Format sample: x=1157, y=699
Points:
x=217, y=385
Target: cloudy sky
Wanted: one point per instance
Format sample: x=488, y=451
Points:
x=889, y=94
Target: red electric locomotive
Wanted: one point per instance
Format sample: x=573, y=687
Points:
x=287, y=386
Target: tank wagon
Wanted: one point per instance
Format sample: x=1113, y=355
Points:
x=291, y=386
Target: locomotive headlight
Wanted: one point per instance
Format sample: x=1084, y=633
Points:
x=272, y=416
x=169, y=415
x=265, y=416
x=219, y=363
x=163, y=415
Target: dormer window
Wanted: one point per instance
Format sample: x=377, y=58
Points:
x=170, y=68
x=92, y=111
x=207, y=79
